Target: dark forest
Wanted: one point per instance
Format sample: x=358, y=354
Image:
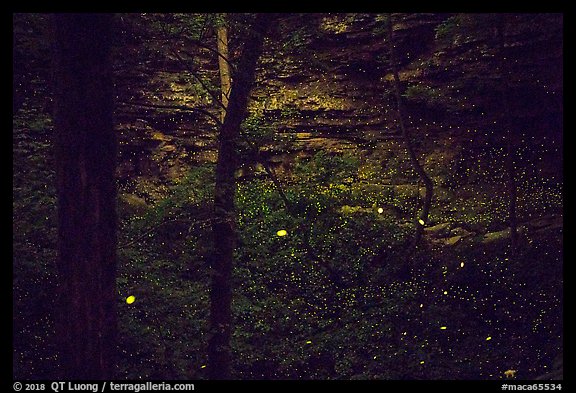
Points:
x=314, y=196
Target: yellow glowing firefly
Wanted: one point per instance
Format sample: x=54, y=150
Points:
x=130, y=299
x=282, y=232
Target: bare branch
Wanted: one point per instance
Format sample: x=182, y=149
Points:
x=197, y=77
x=270, y=172
x=402, y=119
x=173, y=107
x=157, y=226
x=204, y=46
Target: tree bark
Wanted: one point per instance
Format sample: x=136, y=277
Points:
x=85, y=155
x=223, y=66
x=224, y=224
x=402, y=119
x=225, y=83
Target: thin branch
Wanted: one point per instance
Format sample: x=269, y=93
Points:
x=195, y=75
x=203, y=30
x=174, y=107
x=508, y=136
x=155, y=227
x=204, y=46
x=402, y=116
x=205, y=26
x=270, y=172
x=146, y=233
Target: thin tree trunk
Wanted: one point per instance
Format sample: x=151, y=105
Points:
x=272, y=175
x=509, y=137
x=402, y=120
x=224, y=224
x=225, y=83
x=85, y=155
x=223, y=66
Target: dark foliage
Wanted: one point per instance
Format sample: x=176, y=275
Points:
x=322, y=184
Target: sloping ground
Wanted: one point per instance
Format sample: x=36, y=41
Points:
x=330, y=94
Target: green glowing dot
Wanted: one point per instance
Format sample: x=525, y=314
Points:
x=282, y=232
x=130, y=299
x=421, y=221
x=443, y=327
x=422, y=362
x=203, y=366
x=488, y=338
x=309, y=342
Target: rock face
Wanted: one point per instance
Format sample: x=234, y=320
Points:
x=339, y=82
x=324, y=84
x=438, y=230
x=448, y=234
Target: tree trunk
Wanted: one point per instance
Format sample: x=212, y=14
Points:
x=508, y=134
x=223, y=66
x=85, y=155
x=224, y=225
x=225, y=83
x=402, y=119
